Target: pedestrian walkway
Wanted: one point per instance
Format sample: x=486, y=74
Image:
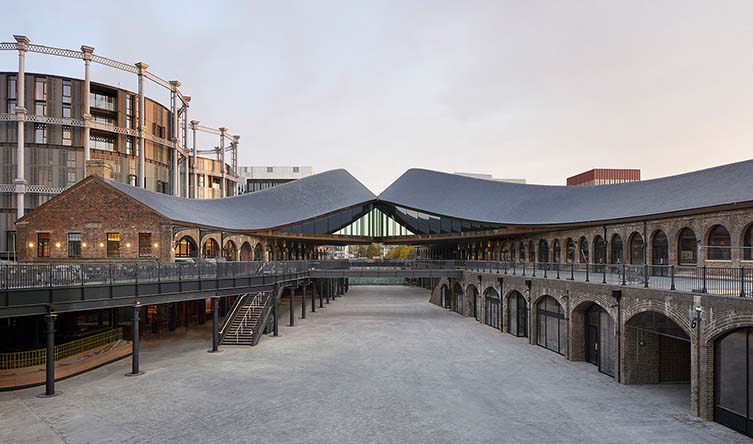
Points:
x=380, y=364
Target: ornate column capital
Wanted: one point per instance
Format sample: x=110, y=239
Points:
x=22, y=41
x=194, y=124
x=142, y=67
x=87, y=50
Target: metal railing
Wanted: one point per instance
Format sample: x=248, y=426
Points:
x=728, y=281
x=31, y=358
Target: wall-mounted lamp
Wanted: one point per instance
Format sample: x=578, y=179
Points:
x=101, y=244
x=128, y=245
x=57, y=244
x=155, y=245
x=31, y=244
x=83, y=244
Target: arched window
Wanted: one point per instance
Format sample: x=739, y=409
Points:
x=687, y=248
x=600, y=250
x=259, y=252
x=522, y=251
x=557, y=251
x=719, y=244
x=570, y=250
x=492, y=308
x=230, y=252
x=748, y=243
x=583, y=249
x=531, y=252
x=552, y=326
x=185, y=247
x=636, y=249
x=246, y=252
x=659, y=254
x=616, y=252
x=543, y=251
x=210, y=249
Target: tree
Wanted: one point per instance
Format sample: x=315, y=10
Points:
x=401, y=252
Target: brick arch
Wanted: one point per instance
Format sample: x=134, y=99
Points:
x=741, y=240
x=191, y=238
x=577, y=323
x=491, y=287
x=725, y=326
x=469, y=299
x=675, y=315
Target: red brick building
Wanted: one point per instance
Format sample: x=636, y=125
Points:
x=603, y=176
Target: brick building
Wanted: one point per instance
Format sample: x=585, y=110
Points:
x=604, y=176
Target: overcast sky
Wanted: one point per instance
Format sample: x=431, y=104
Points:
x=539, y=90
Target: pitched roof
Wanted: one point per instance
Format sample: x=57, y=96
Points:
x=521, y=204
x=285, y=204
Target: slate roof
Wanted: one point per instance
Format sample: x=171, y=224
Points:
x=285, y=204
x=521, y=204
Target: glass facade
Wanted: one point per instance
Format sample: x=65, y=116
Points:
x=552, y=326
x=719, y=245
x=733, y=380
x=687, y=247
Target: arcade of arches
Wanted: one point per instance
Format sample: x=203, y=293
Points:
x=634, y=335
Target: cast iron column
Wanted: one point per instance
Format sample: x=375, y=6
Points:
x=21, y=113
x=292, y=307
x=320, y=290
x=87, y=50
x=142, y=111
x=215, y=325
x=276, y=324
x=135, y=355
x=303, y=302
x=194, y=127
x=49, y=389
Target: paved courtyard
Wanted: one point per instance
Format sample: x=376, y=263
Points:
x=378, y=365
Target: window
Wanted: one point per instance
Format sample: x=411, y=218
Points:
x=102, y=141
x=129, y=112
x=104, y=119
x=687, y=247
x=74, y=244
x=11, y=94
x=67, y=136
x=158, y=130
x=129, y=145
x=719, y=244
x=67, y=110
x=132, y=180
x=40, y=133
x=67, y=92
x=71, y=164
x=296, y=169
x=113, y=244
x=637, y=249
x=145, y=244
x=40, y=97
x=202, y=180
x=270, y=169
x=43, y=244
x=185, y=248
x=102, y=101
x=161, y=187
x=748, y=243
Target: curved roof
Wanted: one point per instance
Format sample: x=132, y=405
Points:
x=520, y=204
x=285, y=204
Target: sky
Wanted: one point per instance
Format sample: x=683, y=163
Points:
x=539, y=90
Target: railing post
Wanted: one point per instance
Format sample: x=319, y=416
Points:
x=558, y=269
x=623, y=275
x=672, y=277
x=135, y=354
x=544, y=264
x=703, y=290
x=524, y=268
x=742, y=282
x=572, y=271
x=645, y=275
x=534, y=268
x=49, y=390
x=215, y=325
x=587, y=267
x=604, y=272
x=513, y=267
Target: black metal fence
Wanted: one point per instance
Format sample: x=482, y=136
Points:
x=728, y=281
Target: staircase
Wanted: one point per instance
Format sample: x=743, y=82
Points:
x=246, y=320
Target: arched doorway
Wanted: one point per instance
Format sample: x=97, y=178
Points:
x=474, y=301
x=556, y=251
x=748, y=243
x=600, y=341
x=543, y=251
x=517, y=315
x=492, y=309
x=637, y=247
x=687, y=248
x=551, y=328
x=659, y=254
x=733, y=380
x=186, y=248
x=599, y=253
x=230, y=252
x=246, y=252
x=570, y=251
x=210, y=249
x=719, y=245
x=444, y=293
x=657, y=350
x=616, y=250
x=259, y=252
x=583, y=250
x=522, y=251
x=457, y=305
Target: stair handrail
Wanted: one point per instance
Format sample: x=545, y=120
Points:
x=241, y=326
x=229, y=318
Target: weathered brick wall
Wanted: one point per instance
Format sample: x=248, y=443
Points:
x=96, y=210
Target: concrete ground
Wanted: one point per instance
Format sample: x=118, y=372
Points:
x=378, y=365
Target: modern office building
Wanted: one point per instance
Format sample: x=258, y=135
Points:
x=604, y=176
x=257, y=178
x=70, y=126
